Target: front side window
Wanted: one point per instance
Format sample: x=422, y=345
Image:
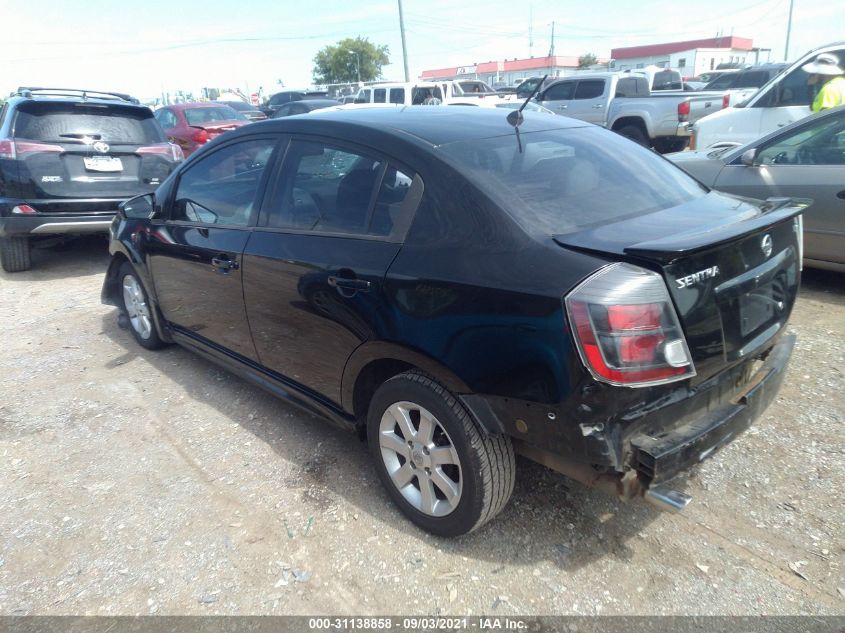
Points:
x=820, y=144
x=560, y=92
x=221, y=188
x=589, y=89
x=330, y=189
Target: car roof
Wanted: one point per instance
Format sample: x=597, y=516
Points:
x=434, y=125
x=53, y=98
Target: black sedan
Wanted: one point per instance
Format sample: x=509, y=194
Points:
x=303, y=107
x=249, y=111
x=456, y=289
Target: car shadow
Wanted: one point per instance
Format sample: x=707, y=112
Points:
x=825, y=285
x=549, y=518
x=74, y=257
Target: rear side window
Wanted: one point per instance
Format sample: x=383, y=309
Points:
x=329, y=189
x=589, y=89
x=397, y=95
x=69, y=123
x=167, y=119
x=379, y=95
x=221, y=188
x=570, y=179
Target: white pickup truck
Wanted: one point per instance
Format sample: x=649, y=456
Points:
x=424, y=92
x=622, y=102
x=783, y=100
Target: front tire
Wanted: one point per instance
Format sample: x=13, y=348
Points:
x=15, y=254
x=443, y=472
x=137, y=308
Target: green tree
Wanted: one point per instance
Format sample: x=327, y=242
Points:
x=586, y=60
x=350, y=60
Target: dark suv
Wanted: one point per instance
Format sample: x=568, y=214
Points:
x=68, y=158
x=457, y=290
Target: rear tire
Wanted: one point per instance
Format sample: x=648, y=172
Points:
x=445, y=474
x=137, y=307
x=15, y=254
x=635, y=134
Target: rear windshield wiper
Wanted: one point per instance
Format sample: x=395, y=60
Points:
x=96, y=137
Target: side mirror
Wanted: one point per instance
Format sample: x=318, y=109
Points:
x=142, y=206
x=748, y=157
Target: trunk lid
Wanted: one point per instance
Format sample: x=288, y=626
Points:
x=216, y=128
x=732, y=267
x=88, y=151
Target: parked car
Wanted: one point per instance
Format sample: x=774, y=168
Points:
x=526, y=87
x=421, y=93
x=476, y=87
x=625, y=324
x=785, y=99
x=286, y=96
x=739, y=86
x=622, y=102
x=192, y=125
x=68, y=158
x=803, y=160
x=251, y=112
x=303, y=107
x=698, y=82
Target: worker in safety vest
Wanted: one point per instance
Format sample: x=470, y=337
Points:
x=826, y=70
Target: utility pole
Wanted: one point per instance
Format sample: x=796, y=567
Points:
x=788, y=31
x=552, y=51
x=404, y=46
x=531, y=31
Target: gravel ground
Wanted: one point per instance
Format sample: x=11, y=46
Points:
x=136, y=482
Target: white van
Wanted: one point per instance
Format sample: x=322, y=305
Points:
x=412, y=93
x=784, y=99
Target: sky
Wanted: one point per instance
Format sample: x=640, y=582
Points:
x=152, y=46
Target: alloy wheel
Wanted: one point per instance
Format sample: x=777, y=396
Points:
x=420, y=459
x=136, y=307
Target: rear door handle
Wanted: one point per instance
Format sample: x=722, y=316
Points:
x=223, y=264
x=357, y=285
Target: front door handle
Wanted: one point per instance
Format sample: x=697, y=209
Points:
x=598, y=105
x=355, y=285
x=223, y=264
x=561, y=107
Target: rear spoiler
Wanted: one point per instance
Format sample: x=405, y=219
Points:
x=677, y=245
x=670, y=248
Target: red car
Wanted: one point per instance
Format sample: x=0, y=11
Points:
x=191, y=125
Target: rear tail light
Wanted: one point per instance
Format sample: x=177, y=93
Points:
x=683, y=111
x=170, y=150
x=726, y=100
x=200, y=136
x=23, y=209
x=15, y=148
x=626, y=328
x=7, y=149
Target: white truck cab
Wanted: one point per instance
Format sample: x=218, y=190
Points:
x=784, y=99
x=411, y=93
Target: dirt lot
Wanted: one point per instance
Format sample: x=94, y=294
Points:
x=135, y=482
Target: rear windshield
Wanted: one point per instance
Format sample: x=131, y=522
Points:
x=571, y=179
x=667, y=80
x=240, y=106
x=69, y=123
x=198, y=116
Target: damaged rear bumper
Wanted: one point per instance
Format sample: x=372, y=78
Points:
x=655, y=459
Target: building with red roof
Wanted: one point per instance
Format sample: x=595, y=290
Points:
x=508, y=70
x=691, y=57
